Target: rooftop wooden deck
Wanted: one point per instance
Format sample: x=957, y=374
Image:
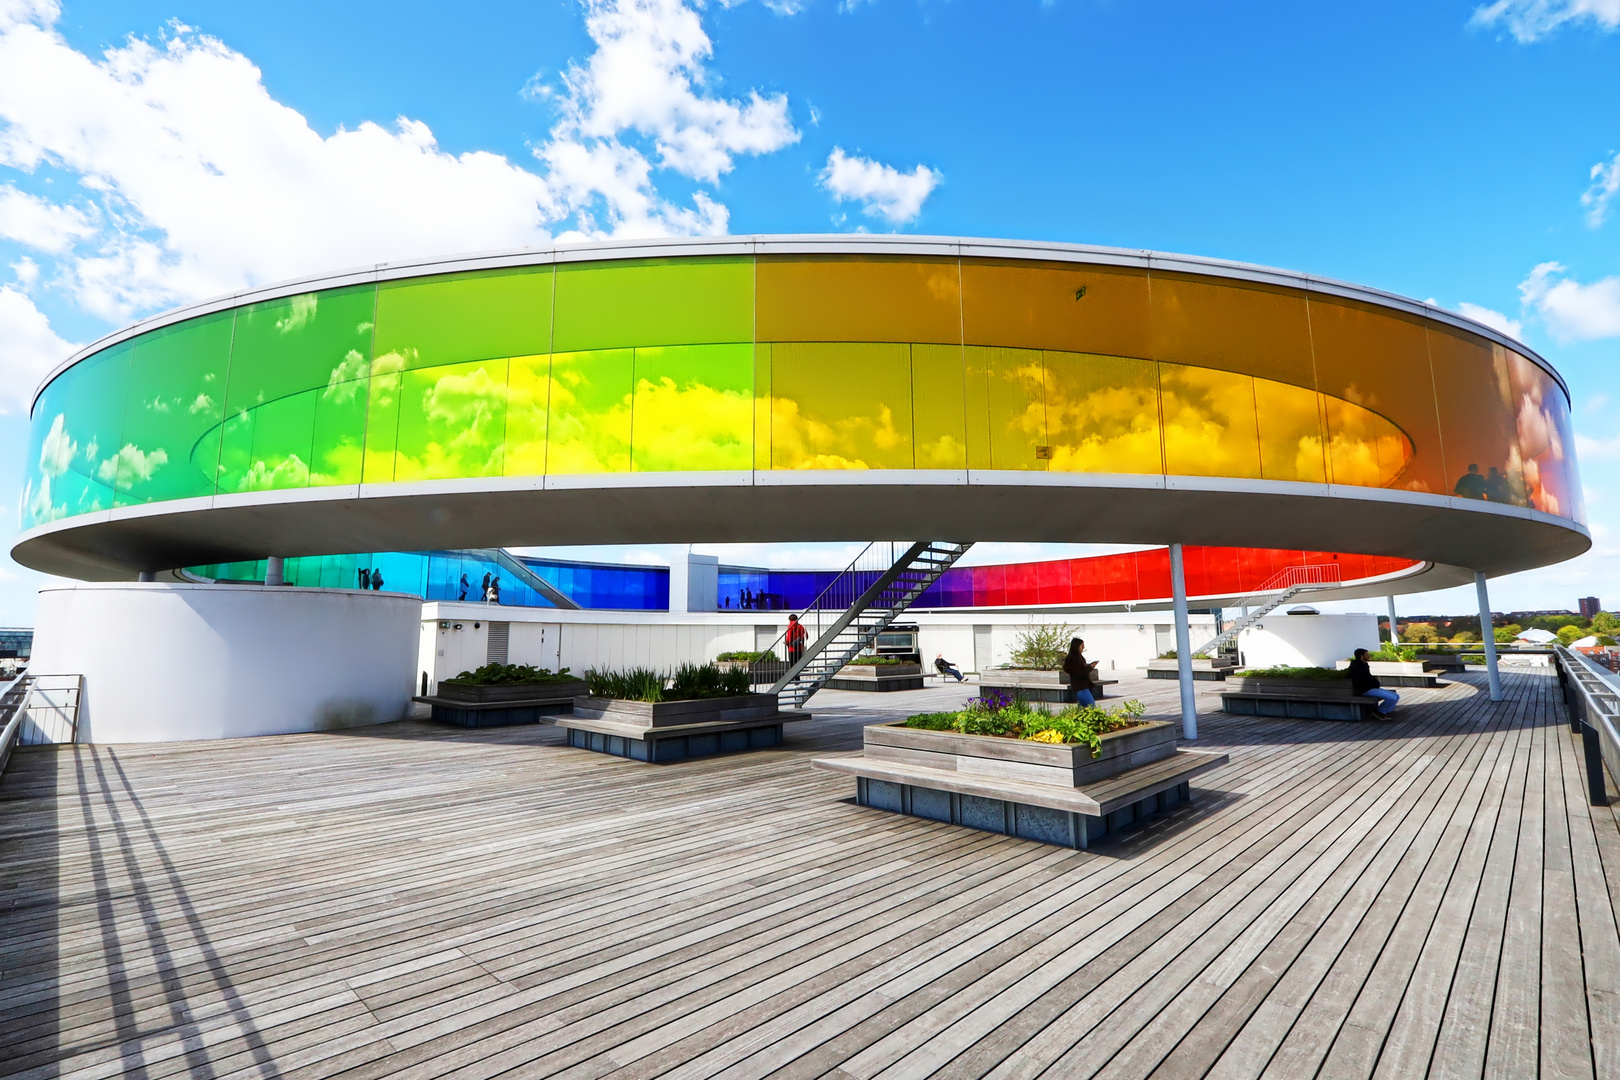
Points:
x=1428, y=897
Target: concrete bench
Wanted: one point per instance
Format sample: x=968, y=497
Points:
x=1301, y=706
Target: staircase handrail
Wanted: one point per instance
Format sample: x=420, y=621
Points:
x=514, y=566
x=1277, y=590
x=849, y=614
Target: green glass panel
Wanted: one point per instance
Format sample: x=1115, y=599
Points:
x=693, y=408
x=299, y=346
x=49, y=457
x=839, y=405
x=170, y=443
x=588, y=430
x=382, y=425
x=654, y=302
x=528, y=396
x=452, y=421
x=337, y=449
x=82, y=416
x=431, y=322
x=939, y=406
x=762, y=406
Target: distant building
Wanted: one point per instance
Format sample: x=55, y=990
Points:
x=1590, y=606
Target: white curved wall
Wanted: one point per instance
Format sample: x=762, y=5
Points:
x=165, y=662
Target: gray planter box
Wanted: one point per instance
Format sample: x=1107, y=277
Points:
x=565, y=690
x=654, y=714
x=1063, y=765
x=878, y=671
x=1043, y=686
x=1313, y=688
x=668, y=731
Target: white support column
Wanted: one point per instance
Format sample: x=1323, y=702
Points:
x=274, y=572
x=1184, y=669
x=146, y=575
x=1487, y=635
x=1394, y=635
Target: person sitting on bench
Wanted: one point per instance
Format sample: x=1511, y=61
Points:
x=1363, y=682
x=945, y=667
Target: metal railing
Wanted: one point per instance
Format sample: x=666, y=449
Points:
x=11, y=716
x=1278, y=589
x=50, y=711
x=1592, y=696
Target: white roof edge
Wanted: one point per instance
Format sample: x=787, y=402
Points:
x=805, y=244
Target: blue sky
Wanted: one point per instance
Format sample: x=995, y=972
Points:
x=155, y=152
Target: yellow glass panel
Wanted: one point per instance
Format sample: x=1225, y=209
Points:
x=1209, y=423
x=1066, y=307
x=1290, y=421
x=617, y=305
x=693, y=408
x=452, y=421
x=938, y=406
x=1365, y=449
x=382, y=421
x=858, y=298
x=1379, y=359
x=1015, y=405
x=589, y=426
x=762, y=406
x=452, y=318
x=976, y=391
x=1102, y=414
x=528, y=390
x=1244, y=327
x=1478, y=424
x=840, y=406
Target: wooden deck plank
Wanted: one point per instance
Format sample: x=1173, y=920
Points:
x=427, y=902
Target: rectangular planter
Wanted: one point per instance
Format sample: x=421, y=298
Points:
x=1043, y=686
x=562, y=690
x=651, y=714
x=872, y=671
x=1381, y=668
x=1313, y=688
x=1062, y=765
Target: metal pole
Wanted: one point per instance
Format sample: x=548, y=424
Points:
x=1395, y=635
x=1184, y=670
x=1487, y=635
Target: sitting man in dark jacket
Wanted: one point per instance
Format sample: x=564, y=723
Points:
x=1365, y=683
x=945, y=667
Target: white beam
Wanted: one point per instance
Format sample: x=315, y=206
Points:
x=1184, y=669
x=1394, y=634
x=1487, y=635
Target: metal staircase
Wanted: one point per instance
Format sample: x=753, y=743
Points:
x=508, y=562
x=1291, y=582
x=860, y=602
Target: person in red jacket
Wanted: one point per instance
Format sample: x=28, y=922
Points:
x=795, y=639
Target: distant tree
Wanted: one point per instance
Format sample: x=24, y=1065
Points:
x=1605, y=623
x=1505, y=634
x=1465, y=636
x=1607, y=641
x=1420, y=631
x=1570, y=634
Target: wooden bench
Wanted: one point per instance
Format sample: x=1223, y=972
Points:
x=1300, y=706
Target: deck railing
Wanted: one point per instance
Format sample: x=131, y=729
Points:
x=11, y=715
x=1592, y=695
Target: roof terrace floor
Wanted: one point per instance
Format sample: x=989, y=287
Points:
x=1431, y=896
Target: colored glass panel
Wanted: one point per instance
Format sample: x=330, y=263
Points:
x=1102, y=414
x=693, y=408
x=528, y=399
x=1290, y=424
x=840, y=406
x=654, y=302
x=287, y=353
x=1234, y=326
x=452, y=421
x=859, y=298
x=938, y=407
x=382, y=421
x=588, y=426
x=1478, y=422
x=1014, y=383
x=762, y=406
x=1060, y=306
x=1542, y=431
x=1379, y=360
x=1210, y=427
x=169, y=447
x=79, y=421
x=432, y=322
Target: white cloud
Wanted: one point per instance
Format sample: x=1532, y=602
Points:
x=1493, y=319
x=1572, y=311
x=41, y=225
x=1590, y=449
x=132, y=465
x=883, y=190
x=28, y=348
x=1605, y=184
x=1528, y=20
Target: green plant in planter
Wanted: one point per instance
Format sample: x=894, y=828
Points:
x=878, y=661
x=689, y=683
x=1171, y=654
x=766, y=657
x=705, y=681
x=1395, y=654
x=1042, y=647
x=509, y=675
x=1006, y=717
x=1283, y=672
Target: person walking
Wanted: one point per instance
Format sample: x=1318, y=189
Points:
x=465, y=585
x=945, y=667
x=1365, y=683
x=1079, y=673
x=376, y=580
x=364, y=574
x=795, y=639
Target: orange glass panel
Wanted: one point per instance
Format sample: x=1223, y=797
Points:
x=1102, y=414
x=1249, y=328
x=841, y=406
x=1290, y=422
x=1067, y=307
x=1379, y=359
x=1478, y=424
x=1209, y=422
x=938, y=406
x=1014, y=382
x=856, y=298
